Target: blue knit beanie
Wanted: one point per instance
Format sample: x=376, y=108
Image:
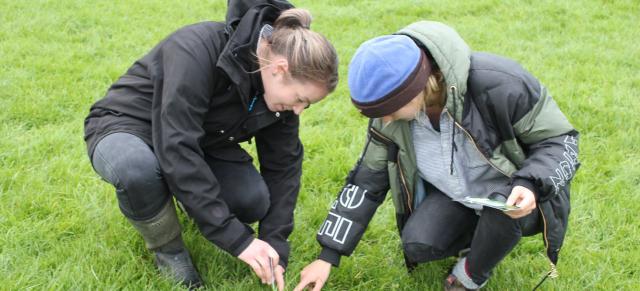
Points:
x=386, y=73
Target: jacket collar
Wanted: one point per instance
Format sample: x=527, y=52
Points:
x=244, y=21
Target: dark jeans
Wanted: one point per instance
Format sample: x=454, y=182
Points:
x=129, y=164
x=441, y=227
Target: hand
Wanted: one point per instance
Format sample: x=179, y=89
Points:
x=314, y=275
x=257, y=255
x=523, y=198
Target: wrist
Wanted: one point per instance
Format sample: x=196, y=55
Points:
x=325, y=263
x=330, y=256
x=242, y=244
x=527, y=184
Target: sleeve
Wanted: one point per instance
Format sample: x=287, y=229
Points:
x=183, y=79
x=357, y=202
x=550, y=166
x=280, y=153
x=549, y=142
x=551, y=146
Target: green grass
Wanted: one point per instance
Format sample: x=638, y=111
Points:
x=60, y=227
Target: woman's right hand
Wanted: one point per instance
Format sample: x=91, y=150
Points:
x=314, y=275
x=257, y=256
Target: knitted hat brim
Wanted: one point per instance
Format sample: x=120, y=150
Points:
x=401, y=95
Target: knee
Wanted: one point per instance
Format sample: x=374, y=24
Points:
x=253, y=203
x=140, y=189
x=137, y=175
x=417, y=249
x=420, y=252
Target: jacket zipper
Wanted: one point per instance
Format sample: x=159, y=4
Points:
x=476, y=146
x=553, y=273
x=404, y=184
x=402, y=176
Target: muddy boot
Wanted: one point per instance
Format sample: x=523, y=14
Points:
x=161, y=234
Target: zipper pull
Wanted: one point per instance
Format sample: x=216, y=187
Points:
x=554, y=271
x=551, y=274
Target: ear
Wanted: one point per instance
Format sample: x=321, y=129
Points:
x=280, y=66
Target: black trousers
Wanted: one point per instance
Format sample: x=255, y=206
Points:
x=440, y=228
x=130, y=165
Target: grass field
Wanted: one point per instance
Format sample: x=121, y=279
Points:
x=60, y=227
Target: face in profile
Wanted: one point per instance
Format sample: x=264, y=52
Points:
x=284, y=93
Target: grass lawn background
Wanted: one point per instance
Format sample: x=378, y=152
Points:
x=60, y=227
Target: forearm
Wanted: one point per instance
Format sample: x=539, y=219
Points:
x=550, y=165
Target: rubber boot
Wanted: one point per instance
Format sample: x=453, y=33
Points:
x=162, y=235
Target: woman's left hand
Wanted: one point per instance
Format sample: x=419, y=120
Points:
x=523, y=198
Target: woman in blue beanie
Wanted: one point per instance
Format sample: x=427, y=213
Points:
x=449, y=126
x=171, y=127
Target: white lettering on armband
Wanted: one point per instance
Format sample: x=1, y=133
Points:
x=336, y=227
x=567, y=167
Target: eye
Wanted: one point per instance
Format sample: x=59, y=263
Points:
x=299, y=100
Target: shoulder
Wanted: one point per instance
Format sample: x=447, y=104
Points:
x=195, y=47
x=498, y=80
x=203, y=35
x=490, y=71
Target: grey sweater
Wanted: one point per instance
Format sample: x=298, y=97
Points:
x=472, y=174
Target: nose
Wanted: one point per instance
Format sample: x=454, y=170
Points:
x=297, y=109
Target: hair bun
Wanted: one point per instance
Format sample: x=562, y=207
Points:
x=293, y=18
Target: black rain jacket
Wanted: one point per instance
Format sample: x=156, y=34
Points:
x=189, y=97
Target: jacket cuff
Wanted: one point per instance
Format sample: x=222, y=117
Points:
x=241, y=243
x=330, y=256
x=527, y=184
x=284, y=260
x=282, y=248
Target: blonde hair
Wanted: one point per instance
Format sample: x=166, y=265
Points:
x=434, y=90
x=310, y=55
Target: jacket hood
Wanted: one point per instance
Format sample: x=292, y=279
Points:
x=451, y=53
x=236, y=9
x=244, y=20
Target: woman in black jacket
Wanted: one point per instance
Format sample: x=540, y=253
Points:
x=171, y=126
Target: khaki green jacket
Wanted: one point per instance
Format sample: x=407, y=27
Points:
x=511, y=118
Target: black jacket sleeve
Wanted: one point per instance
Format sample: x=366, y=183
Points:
x=537, y=137
x=357, y=202
x=550, y=165
x=280, y=153
x=183, y=77
x=548, y=141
